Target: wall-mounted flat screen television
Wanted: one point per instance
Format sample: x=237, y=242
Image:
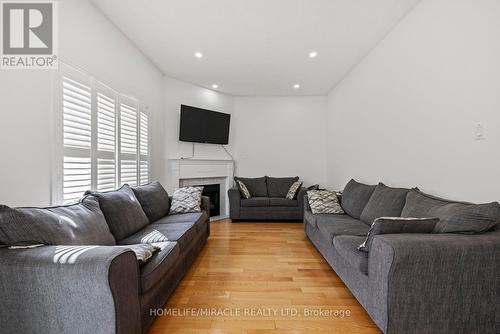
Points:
x=204, y=126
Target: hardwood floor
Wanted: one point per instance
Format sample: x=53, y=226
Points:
x=261, y=278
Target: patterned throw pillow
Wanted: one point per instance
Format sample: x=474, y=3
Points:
x=393, y=225
x=186, y=199
x=243, y=190
x=324, y=201
x=292, y=192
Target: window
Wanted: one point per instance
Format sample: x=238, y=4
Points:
x=105, y=138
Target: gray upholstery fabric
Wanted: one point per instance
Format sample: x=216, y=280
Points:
x=456, y=217
x=255, y=201
x=159, y=265
x=279, y=186
x=77, y=224
x=449, y=274
x=40, y=295
x=256, y=186
x=183, y=218
x=284, y=212
x=122, y=210
x=183, y=233
x=392, y=225
x=333, y=225
x=283, y=202
x=347, y=247
x=154, y=200
x=384, y=202
x=355, y=196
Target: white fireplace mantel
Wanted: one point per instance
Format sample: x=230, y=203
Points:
x=186, y=172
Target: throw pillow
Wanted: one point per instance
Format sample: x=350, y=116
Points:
x=78, y=224
x=324, y=201
x=154, y=200
x=186, y=199
x=243, y=190
x=122, y=210
x=392, y=225
x=384, y=202
x=294, y=189
x=355, y=196
x=143, y=252
x=455, y=217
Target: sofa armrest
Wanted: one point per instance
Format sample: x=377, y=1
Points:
x=205, y=205
x=302, y=199
x=234, y=202
x=69, y=289
x=435, y=283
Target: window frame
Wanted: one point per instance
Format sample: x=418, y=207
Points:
x=59, y=149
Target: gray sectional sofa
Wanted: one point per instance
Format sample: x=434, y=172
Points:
x=447, y=281
x=94, y=283
x=268, y=201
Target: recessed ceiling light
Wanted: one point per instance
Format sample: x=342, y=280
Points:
x=198, y=55
x=215, y=86
x=296, y=86
x=313, y=54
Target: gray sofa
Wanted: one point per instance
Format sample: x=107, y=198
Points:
x=99, y=288
x=268, y=201
x=416, y=283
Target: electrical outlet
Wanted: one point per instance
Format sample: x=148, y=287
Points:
x=480, y=135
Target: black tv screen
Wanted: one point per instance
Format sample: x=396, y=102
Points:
x=204, y=126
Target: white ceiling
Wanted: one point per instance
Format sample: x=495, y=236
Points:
x=256, y=47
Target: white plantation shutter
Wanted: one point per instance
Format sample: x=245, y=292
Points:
x=144, y=148
x=77, y=137
x=104, y=141
x=128, y=143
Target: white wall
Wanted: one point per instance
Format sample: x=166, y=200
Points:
x=178, y=92
x=407, y=114
x=281, y=136
x=89, y=41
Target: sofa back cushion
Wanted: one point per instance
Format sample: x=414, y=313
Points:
x=256, y=186
x=153, y=199
x=122, y=210
x=384, y=202
x=393, y=225
x=355, y=196
x=279, y=186
x=78, y=224
x=455, y=217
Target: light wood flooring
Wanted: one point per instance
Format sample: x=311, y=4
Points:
x=261, y=278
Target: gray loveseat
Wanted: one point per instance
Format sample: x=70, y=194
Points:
x=93, y=284
x=415, y=283
x=268, y=201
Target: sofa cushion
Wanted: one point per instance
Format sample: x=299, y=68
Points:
x=384, y=202
x=312, y=219
x=355, y=196
x=279, y=186
x=347, y=247
x=78, y=224
x=183, y=233
x=255, y=202
x=333, y=225
x=278, y=201
x=256, y=186
x=393, y=225
x=159, y=265
x=454, y=217
x=324, y=201
x=154, y=200
x=186, y=200
x=200, y=219
x=122, y=210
